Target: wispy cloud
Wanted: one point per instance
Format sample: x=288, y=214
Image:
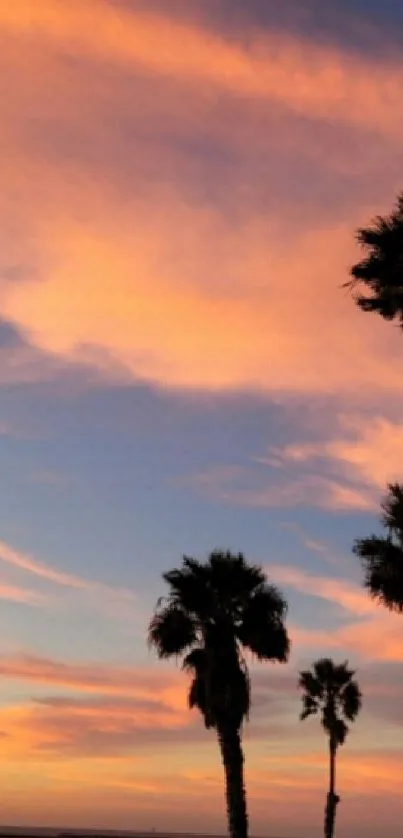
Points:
x=12, y=593
x=95, y=678
x=272, y=486
x=352, y=598
x=347, y=471
x=354, y=465
x=28, y=563
x=371, y=633
x=370, y=451
x=321, y=82
x=68, y=727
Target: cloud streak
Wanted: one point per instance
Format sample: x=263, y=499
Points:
x=92, y=678
x=24, y=596
x=25, y=562
x=322, y=83
x=368, y=633
x=350, y=597
x=275, y=487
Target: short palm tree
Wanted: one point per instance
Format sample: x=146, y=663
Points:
x=330, y=689
x=214, y=612
x=382, y=556
x=377, y=280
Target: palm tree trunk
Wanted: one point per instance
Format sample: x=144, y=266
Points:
x=332, y=798
x=233, y=761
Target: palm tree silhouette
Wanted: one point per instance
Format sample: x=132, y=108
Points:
x=377, y=281
x=213, y=612
x=329, y=689
x=382, y=556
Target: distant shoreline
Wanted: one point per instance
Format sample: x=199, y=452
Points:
x=63, y=832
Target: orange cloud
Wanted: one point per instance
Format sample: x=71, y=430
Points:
x=370, y=452
x=25, y=562
x=342, y=592
x=115, y=757
x=376, y=639
x=375, y=633
x=52, y=728
x=110, y=680
x=12, y=593
x=364, y=455
x=311, y=80
x=175, y=334
x=358, y=770
x=140, y=283
x=245, y=486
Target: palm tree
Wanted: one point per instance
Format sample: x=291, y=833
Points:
x=329, y=689
x=378, y=278
x=214, y=612
x=382, y=556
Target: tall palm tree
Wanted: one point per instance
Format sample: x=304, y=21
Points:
x=377, y=280
x=215, y=611
x=382, y=556
x=330, y=689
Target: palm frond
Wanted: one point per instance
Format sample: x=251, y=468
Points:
x=329, y=689
x=196, y=661
x=342, y=676
x=382, y=561
x=339, y=731
x=351, y=700
x=232, y=577
x=262, y=629
x=377, y=280
x=171, y=631
x=310, y=706
x=324, y=670
x=392, y=509
x=189, y=587
x=310, y=684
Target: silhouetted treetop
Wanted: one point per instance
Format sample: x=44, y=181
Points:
x=329, y=689
x=377, y=280
x=212, y=613
x=382, y=556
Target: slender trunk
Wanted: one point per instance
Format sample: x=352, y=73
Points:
x=233, y=761
x=332, y=798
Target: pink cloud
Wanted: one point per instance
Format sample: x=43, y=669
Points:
x=369, y=452
x=28, y=563
x=89, y=677
x=246, y=486
x=310, y=79
x=12, y=593
x=349, y=470
x=351, y=597
x=277, y=282
x=374, y=634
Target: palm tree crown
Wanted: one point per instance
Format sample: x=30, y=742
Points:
x=379, y=276
x=215, y=610
x=382, y=556
x=329, y=689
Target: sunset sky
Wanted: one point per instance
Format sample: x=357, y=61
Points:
x=181, y=370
